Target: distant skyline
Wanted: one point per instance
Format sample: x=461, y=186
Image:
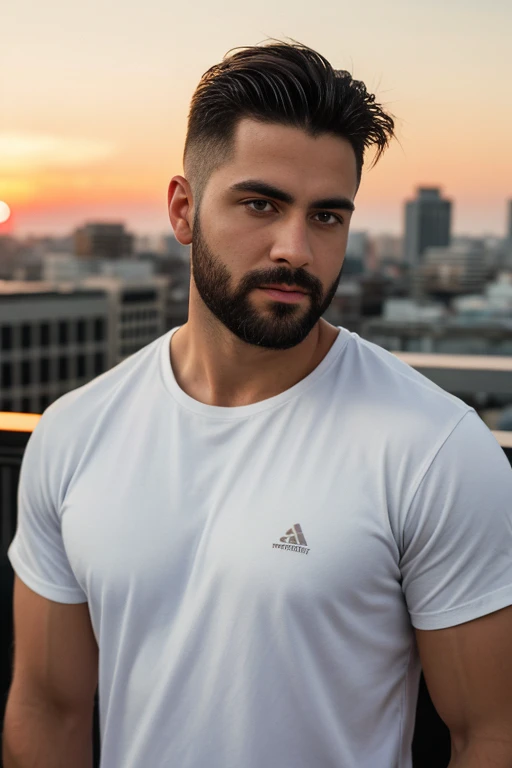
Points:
x=94, y=101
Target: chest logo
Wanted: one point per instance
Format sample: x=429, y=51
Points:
x=294, y=540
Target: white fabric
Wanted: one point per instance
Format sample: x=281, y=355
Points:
x=218, y=648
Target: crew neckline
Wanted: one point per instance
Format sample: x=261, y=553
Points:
x=242, y=411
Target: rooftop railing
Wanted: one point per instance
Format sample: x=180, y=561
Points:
x=464, y=374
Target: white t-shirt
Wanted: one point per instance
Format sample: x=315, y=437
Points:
x=254, y=573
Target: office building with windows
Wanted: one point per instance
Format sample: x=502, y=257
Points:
x=136, y=311
x=107, y=241
x=458, y=268
x=51, y=341
x=427, y=224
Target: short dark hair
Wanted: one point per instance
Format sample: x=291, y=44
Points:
x=285, y=83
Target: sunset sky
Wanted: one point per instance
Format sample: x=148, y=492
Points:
x=94, y=99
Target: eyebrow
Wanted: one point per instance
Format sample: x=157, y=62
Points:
x=262, y=188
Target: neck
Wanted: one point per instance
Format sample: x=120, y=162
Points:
x=215, y=367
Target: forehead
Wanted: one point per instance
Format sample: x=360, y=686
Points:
x=291, y=159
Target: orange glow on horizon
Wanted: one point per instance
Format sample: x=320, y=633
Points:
x=64, y=191
x=132, y=185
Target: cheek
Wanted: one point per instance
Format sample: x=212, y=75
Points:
x=329, y=258
x=238, y=248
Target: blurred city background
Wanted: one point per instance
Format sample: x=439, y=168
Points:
x=74, y=305
x=94, y=106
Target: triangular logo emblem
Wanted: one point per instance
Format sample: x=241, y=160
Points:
x=294, y=536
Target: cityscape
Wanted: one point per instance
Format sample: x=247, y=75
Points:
x=72, y=307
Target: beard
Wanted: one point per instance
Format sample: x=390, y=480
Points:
x=278, y=325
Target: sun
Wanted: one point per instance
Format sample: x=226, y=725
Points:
x=5, y=212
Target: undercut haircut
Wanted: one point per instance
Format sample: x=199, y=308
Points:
x=284, y=83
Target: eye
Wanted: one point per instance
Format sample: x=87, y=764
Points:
x=334, y=218
x=258, y=205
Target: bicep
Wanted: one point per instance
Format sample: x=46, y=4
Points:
x=468, y=672
x=55, y=651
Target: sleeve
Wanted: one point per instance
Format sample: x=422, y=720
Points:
x=456, y=559
x=37, y=553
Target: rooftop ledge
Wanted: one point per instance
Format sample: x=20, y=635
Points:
x=457, y=362
x=434, y=363
x=26, y=422
x=18, y=422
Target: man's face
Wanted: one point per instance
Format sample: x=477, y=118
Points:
x=274, y=218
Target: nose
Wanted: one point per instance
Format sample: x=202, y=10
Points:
x=291, y=243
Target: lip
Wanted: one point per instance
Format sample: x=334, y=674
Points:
x=284, y=294
x=285, y=288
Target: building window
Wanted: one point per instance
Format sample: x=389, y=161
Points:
x=80, y=366
x=26, y=377
x=6, y=404
x=63, y=368
x=44, y=402
x=63, y=332
x=81, y=331
x=6, y=337
x=44, y=370
x=99, y=365
x=44, y=331
x=26, y=406
x=138, y=296
x=99, y=329
x=6, y=375
x=26, y=336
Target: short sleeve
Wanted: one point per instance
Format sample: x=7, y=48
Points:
x=456, y=561
x=37, y=552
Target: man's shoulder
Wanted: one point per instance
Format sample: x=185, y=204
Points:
x=391, y=403
x=392, y=380
x=84, y=406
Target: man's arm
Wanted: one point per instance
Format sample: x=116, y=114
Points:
x=48, y=718
x=468, y=672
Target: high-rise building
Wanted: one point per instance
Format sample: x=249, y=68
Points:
x=356, y=254
x=509, y=221
x=427, y=224
x=108, y=241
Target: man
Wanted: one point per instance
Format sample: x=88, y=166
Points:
x=262, y=522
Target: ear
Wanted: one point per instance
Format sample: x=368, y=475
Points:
x=180, y=205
